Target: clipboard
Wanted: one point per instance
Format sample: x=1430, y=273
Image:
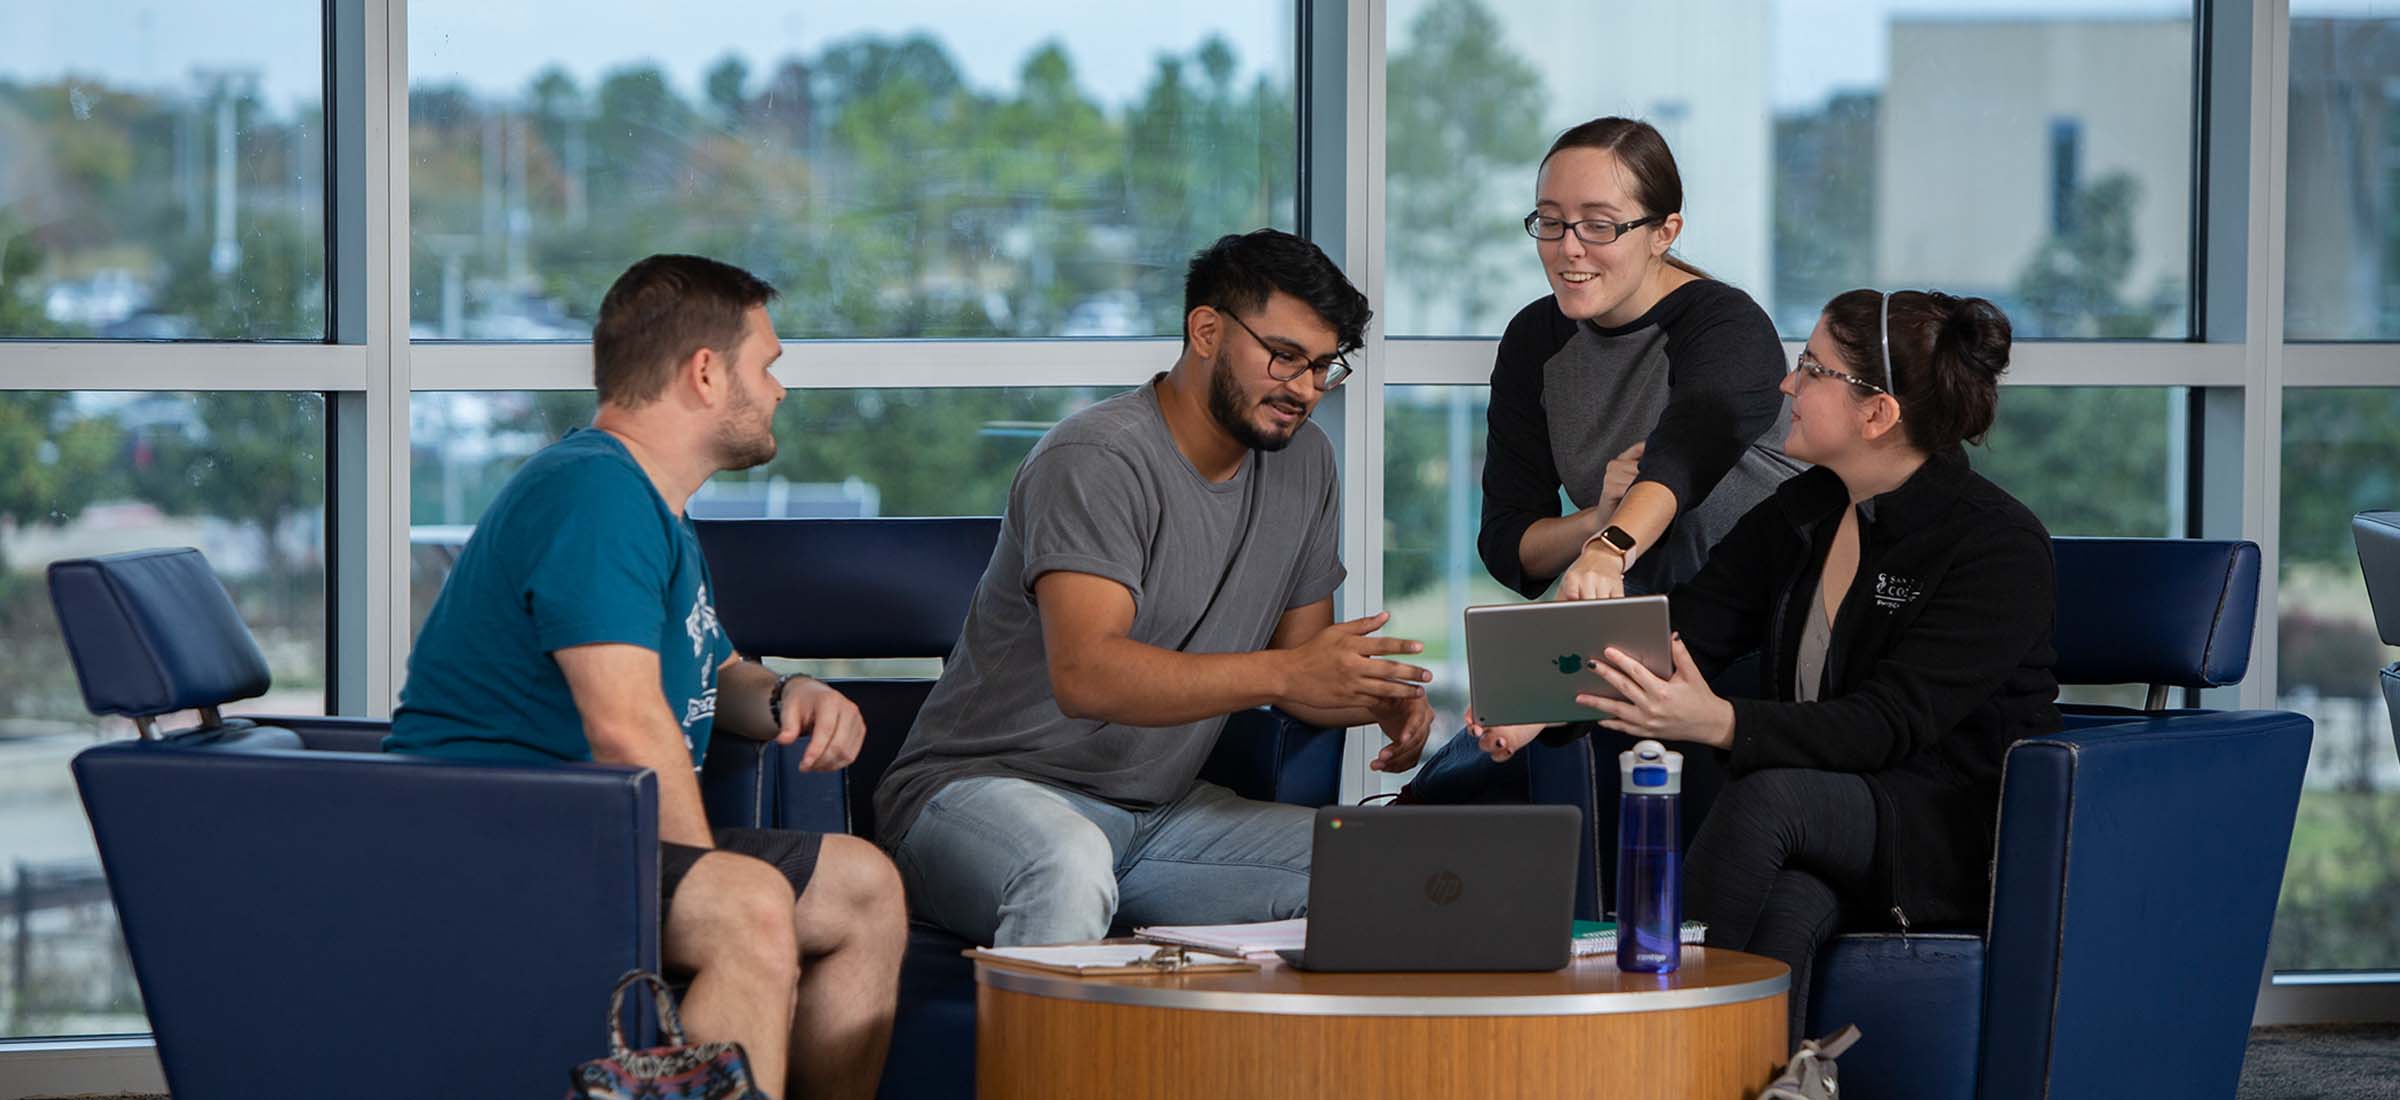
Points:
x=1108, y=960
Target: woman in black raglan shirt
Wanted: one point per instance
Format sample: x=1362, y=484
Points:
x=1903, y=607
x=1640, y=386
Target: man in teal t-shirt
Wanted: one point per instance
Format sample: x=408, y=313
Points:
x=578, y=625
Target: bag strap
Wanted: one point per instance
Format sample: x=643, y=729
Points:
x=661, y=998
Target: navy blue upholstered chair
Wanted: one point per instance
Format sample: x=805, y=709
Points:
x=2140, y=853
x=2139, y=857
x=309, y=917
x=851, y=589
x=2378, y=535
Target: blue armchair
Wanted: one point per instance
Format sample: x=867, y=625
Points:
x=2139, y=857
x=2378, y=535
x=853, y=589
x=307, y=916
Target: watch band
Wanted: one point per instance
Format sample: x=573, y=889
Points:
x=775, y=698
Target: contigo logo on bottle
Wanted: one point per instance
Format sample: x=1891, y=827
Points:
x=1444, y=887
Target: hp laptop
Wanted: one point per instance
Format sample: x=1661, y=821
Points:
x=1441, y=888
x=1526, y=662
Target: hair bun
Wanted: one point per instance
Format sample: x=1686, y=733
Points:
x=1977, y=332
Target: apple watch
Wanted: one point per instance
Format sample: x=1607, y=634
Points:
x=1615, y=538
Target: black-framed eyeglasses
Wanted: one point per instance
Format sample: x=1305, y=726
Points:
x=1808, y=365
x=1284, y=366
x=1543, y=227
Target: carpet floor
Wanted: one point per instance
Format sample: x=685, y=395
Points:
x=2314, y=1062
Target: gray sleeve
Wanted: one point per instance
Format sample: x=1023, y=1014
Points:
x=1321, y=570
x=1080, y=508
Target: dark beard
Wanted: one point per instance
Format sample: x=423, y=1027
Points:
x=1225, y=404
x=735, y=451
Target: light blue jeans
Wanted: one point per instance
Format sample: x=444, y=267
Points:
x=1006, y=861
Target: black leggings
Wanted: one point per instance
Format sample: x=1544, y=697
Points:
x=1780, y=855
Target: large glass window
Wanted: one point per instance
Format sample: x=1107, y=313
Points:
x=2034, y=153
x=2089, y=461
x=838, y=455
x=2341, y=889
x=900, y=169
x=162, y=170
x=239, y=475
x=2343, y=230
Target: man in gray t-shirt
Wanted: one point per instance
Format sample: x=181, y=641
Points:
x=1169, y=556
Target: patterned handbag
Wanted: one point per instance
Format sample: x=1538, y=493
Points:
x=677, y=1071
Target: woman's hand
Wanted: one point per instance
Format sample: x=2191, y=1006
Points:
x=1679, y=708
x=1598, y=574
x=1501, y=742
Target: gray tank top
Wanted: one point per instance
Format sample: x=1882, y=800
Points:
x=1808, y=669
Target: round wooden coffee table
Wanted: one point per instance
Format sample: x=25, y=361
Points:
x=1714, y=1028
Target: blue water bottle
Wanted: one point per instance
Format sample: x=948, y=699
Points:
x=1649, y=862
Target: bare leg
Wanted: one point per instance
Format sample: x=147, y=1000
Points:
x=852, y=927
x=731, y=917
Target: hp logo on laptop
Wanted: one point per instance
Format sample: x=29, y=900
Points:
x=1444, y=887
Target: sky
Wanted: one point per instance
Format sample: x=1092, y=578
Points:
x=497, y=45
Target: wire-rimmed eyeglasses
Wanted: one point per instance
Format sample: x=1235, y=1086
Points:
x=1284, y=365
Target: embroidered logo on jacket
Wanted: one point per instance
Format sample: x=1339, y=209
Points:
x=1893, y=593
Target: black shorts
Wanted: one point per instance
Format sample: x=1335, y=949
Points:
x=787, y=850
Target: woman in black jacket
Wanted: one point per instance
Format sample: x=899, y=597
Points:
x=1903, y=606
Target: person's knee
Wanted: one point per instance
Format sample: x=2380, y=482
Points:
x=1074, y=876
x=858, y=875
x=735, y=910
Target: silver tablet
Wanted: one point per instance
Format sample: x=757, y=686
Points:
x=1526, y=662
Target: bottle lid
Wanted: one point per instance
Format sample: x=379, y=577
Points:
x=1648, y=768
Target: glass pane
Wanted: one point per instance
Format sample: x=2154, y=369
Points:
x=834, y=457
x=2037, y=154
x=903, y=169
x=2343, y=281
x=2341, y=889
x=162, y=170
x=239, y=475
x=2088, y=461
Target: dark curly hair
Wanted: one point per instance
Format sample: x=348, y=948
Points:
x=1240, y=271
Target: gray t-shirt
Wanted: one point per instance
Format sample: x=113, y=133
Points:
x=1212, y=568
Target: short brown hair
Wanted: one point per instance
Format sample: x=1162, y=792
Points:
x=663, y=308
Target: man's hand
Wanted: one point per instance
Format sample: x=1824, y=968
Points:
x=1501, y=742
x=1679, y=708
x=1598, y=574
x=1342, y=666
x=836, y=729
x=1407, y=722
x=1621, y=472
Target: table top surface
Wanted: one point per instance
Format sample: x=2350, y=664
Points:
x=1590, y=985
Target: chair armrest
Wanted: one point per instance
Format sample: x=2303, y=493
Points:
x=759, y=785
x=2137, y=866
x=486, y=910
x=1270, y=756
x=330, y=733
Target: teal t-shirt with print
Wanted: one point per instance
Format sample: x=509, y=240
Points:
x=577, y=549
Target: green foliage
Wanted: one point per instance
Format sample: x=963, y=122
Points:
x=1464, y=110
x=2075, y=284
x=2087, y=460
x=2341, y=456
x=57, y=460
